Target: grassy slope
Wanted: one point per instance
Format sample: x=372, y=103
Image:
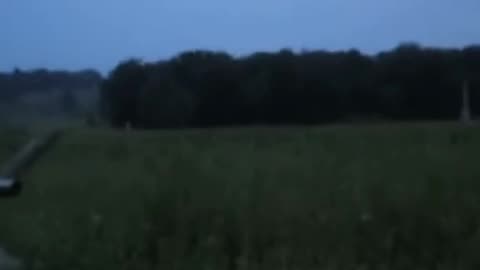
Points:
x=405, y=197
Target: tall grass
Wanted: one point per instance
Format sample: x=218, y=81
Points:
x=11, y=140
x=292, y=198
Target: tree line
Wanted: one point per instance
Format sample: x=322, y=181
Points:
x=19, y=82
x=209, y=88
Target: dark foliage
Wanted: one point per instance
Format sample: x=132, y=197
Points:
x=19, y=82
x=204, y=88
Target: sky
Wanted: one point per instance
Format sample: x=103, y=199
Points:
x=78, y=34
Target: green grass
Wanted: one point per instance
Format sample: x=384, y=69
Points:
x=10, y=141
x=390, y=197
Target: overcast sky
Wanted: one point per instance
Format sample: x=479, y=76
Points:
x=76, y=34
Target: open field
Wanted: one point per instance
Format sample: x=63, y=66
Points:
x=395, y=197
x=10, y=141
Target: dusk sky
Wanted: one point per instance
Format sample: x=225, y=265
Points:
x=77, y=34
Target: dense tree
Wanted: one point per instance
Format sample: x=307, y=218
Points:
x=121, y=92
x=204, y=88
x=164, y=102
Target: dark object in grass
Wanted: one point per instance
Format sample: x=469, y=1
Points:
x=27, y=155
x=10, y=184
x=9, y=187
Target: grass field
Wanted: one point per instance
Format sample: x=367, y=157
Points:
x=379, y=197
x=10, y=141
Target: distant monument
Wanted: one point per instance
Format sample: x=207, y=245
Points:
x=465, y=114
